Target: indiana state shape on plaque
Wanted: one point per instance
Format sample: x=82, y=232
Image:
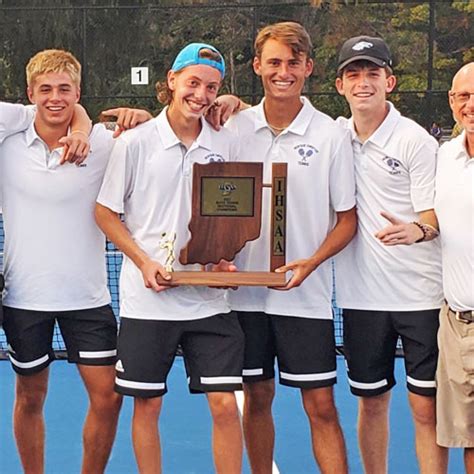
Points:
x=227, y=213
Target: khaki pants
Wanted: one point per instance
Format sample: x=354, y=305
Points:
x=455, y=382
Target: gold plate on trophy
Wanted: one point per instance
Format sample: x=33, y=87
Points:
x=232, y=196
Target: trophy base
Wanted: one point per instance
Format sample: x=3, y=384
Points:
x=225, y=279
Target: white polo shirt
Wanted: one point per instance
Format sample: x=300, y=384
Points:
x=14, y=118
x=395, y=172
x=454, y=206
x=149, y=180
x=320, y=183
x=54, y=252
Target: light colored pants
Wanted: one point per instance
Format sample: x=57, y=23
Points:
x=455, y=382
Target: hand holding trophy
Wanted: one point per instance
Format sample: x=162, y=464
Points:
x=227, y=213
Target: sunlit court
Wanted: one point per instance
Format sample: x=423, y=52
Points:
x=278, y=190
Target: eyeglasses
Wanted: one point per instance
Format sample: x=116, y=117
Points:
x=461, y=97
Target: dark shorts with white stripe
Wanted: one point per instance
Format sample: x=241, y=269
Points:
x=90, y=336
x=213, y=351
x=370, y=342
x=304, y=348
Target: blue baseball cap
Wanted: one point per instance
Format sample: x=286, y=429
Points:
x=189, y=56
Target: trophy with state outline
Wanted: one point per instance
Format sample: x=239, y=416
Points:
x=227, y=213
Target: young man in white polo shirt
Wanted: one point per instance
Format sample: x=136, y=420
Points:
x=295, y=327
x=54, y=263
x=387, y=292
x=149, y=180
x=15, y=118
x=454, y=206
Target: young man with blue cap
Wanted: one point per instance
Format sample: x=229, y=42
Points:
x=388, y=292
x=149, y=180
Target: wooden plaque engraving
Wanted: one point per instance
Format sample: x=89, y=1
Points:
x=227, y=213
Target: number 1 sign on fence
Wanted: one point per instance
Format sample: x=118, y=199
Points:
x=139, y=76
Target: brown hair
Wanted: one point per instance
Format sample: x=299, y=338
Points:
x=53, y=60
x=364, y=63
x=288, y=32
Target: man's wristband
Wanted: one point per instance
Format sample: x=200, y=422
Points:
x=429, y=232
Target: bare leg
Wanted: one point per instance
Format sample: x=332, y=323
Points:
x=469, y=460
x=259, y=430
x=145, y=434
x=326, y=434
x=373, y=432
x=227, y=442
x=432, y=459
x=100, y=425
x=28, y=420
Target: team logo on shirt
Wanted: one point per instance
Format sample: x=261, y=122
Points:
x=394, y=165
x=214, y=157
x=305, y=153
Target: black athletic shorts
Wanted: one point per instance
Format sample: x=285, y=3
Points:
x=304, y=348
x=90, y=336
x=370, y=341
x=213, y=350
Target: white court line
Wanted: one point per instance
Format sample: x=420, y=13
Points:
x=239, y=395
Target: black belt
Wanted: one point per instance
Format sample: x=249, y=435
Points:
x=463, y=316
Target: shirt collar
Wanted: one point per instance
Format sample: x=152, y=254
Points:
x=349, y=124
x=460, y=150
x=169, y=138
x=31, y=135
x=383, y=133
x=298, y=126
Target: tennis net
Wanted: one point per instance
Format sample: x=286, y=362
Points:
x=114, y=263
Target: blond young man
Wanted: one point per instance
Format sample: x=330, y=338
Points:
x=389, y=292
x=15, y=118
x=54, y=264
x=296, y=326
x=454, y=185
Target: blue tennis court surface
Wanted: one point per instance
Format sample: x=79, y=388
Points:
x=185, y=428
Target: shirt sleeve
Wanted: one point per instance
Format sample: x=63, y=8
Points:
x=14, y=118
x=341, y=176
x=117, y=185
x=422, y=170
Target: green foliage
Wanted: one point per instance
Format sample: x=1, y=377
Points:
x=111, y=36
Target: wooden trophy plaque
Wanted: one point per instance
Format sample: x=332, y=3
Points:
x=227, y=213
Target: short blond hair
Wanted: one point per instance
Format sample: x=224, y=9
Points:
x=290, y=33
x=53, y=60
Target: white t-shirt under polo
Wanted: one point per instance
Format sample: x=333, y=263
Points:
x=454, y=206
x=320, y=183
x=14, y=118
x=395, y=171
x=149, y=180
x=54, y=252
